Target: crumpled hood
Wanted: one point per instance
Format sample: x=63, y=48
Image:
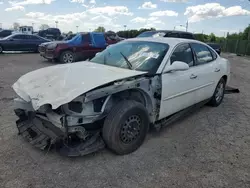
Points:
x=60, y=84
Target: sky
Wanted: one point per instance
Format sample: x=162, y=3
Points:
x=217, y=16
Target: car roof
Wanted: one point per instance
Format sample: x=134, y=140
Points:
x=168, y=31
x=167, y=40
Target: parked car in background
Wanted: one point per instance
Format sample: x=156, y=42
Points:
x=81, y=47
x=50, y=33
x=21, y=42
x=167, y=33
x=114, y=97
x=5, y=33
x=216, y=47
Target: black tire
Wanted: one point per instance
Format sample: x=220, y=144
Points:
x=217, y=101
x=117, y=132
x=1, y=49
x=67, y=55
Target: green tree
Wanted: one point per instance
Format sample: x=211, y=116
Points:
x=212, y=37
x=100, y=29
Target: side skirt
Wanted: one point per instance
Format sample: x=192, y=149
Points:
x=181, y=114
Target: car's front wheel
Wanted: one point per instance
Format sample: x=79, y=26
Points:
x=67, y=57
x=125, y=127
x=218, y=93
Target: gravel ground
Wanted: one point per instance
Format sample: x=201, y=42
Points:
x=209, y=148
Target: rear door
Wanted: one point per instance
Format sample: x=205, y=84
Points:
x=207, y=71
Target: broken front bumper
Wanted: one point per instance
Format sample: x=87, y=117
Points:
x=42, y=134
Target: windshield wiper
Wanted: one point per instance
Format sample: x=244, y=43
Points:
x=127, y=61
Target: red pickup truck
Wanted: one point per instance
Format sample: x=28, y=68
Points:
x=81, y=47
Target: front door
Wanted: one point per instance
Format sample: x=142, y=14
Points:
x=179, y=87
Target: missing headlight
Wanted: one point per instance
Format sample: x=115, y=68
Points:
x=75, y=106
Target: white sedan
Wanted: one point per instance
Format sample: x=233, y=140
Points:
x=113, y=98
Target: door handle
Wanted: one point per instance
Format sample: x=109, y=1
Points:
x=193, y=76
x=217, y=70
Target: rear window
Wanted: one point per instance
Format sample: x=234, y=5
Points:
x=149, y=34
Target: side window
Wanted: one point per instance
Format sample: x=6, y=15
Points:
x=18, y=37
x=214, y=55
x=174, y=35
x=202, y=53
x=183, y=53
x=33, y=37
x=186, y=36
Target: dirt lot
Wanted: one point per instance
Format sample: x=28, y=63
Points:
x=209, y=148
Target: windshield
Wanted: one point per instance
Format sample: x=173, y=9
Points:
x=149, y=33
x=141, y=55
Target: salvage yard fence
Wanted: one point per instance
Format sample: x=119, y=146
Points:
x=240, y=47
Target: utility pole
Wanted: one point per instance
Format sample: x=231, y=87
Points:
x=56, y=23
x=1, y=26
x=77, y=29
x=187, y=26
x=125, y=26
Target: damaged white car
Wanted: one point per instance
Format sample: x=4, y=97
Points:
x=113, y=98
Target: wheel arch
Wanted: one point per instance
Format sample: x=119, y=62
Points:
x=225, y=78
x=136, y=94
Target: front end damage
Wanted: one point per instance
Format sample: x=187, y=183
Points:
x=46, y=129
x=75, y=127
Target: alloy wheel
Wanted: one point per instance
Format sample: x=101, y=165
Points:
x=68, y=58
x=219, y=92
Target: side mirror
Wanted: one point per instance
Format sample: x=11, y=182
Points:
x=177, y=66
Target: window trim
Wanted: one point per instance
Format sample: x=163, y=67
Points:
x=196, y=59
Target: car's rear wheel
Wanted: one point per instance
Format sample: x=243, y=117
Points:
x=1, y=49
x=125, y=127
x=218, y=93
x=67, y=57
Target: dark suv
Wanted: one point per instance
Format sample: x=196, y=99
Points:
x=168, y=33
x=50, y=33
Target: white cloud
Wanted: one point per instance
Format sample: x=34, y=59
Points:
x=163, y=13
x=111, y=10
x=35, y=14
x=148, y=5
x=84, y=20
x=30, y=2
x=77, y=1
x=149, y=22
x=1, y=2
x=174, y=1
x=152, y=18
x=138, y=20
x=15, y=8
x=92, y=2
x=213, y=10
